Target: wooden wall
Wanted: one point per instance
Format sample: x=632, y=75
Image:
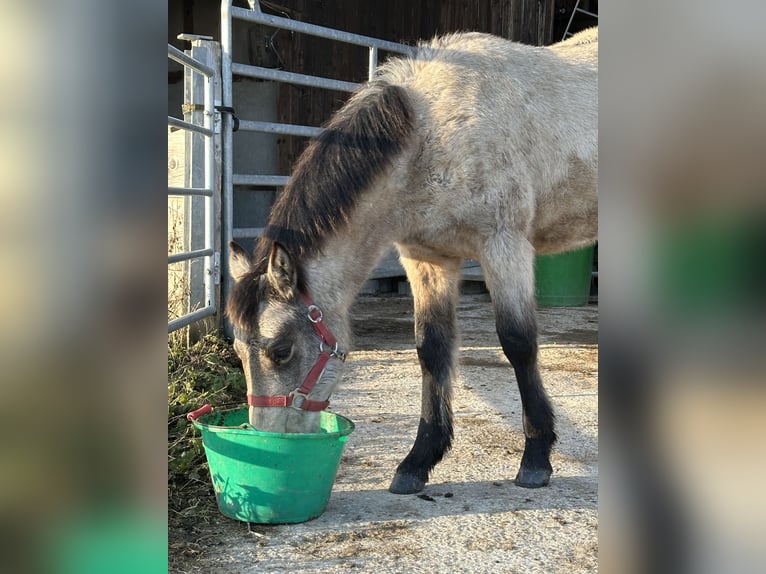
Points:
x=406, y=21
x=537, y=22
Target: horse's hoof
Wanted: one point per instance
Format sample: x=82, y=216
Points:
x=532, y=478
x=406, y=484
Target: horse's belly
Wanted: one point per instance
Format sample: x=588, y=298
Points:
x=566, y=216
x=567, y=231
x=435, y=246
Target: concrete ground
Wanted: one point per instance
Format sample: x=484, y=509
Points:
x=470, y=517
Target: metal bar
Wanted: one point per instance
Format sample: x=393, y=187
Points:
x=571, y=17
x=210, y=275
x=247, y=232
x=227, y=188
x=189, y=191
x=175, y=122
x=373, y=63
x=188, y=255
x=588, y=13
x=264, y=180
x=177, y=55
x=292, y=78
x=312, y=29
x=187, y=320
x=276, y=128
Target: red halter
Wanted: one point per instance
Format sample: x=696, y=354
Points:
x=328, y=349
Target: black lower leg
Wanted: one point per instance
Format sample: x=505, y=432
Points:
x=433, y=441
x=435, y=350
x=535, y=469
x=520, y=346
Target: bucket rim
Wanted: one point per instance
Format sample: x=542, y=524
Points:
x=250, y=431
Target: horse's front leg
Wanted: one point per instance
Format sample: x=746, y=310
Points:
x=435, y=292
x=508, y=268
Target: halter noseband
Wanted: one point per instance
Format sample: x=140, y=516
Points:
x=328, y=349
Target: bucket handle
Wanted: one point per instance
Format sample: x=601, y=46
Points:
x=205, y=409
x=194, y=415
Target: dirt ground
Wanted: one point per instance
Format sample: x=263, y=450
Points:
x=470, y=517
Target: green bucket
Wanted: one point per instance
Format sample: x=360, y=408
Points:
x=563, y=279
x=274, y=478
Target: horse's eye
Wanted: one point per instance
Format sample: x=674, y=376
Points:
x=280, y=353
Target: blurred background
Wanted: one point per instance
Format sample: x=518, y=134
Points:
x=82, y=420
x=681, y=285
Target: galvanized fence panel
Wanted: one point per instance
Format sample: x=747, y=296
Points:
x=193, y=192
x=230, y=69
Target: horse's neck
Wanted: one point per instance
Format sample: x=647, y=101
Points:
x=336, y=275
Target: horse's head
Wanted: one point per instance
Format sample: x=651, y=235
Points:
x=290, y=357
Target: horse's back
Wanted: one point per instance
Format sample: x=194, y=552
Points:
x=581, y=48
x=506, y=128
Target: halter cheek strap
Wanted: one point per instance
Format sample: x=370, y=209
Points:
x=328, y=349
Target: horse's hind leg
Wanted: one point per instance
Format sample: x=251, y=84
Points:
x=435, y=293
x=509, y=271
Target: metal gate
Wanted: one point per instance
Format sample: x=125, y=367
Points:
x=205, y=123
x=230, y=69
x=199, y=184
x=208, y=128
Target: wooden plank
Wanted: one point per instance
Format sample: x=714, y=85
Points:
x=178, y=280
x=176, y=157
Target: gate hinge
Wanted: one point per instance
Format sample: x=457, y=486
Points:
x=191, y=108
x=216, y=269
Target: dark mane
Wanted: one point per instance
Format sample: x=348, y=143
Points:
x=359, y=142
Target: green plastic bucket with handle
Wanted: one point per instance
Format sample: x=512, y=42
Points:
x=264, y=477
x=563, y=279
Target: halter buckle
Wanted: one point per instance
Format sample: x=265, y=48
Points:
x=334, y=351
x=313, y=308
x=298, y=399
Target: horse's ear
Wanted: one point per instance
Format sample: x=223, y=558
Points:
x=240, y=263
x=282, y=273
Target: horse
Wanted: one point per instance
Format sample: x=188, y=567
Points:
x=472, y=147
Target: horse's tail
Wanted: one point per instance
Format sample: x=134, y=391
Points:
x=359, y=144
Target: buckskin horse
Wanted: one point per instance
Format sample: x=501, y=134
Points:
x=473, y=147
